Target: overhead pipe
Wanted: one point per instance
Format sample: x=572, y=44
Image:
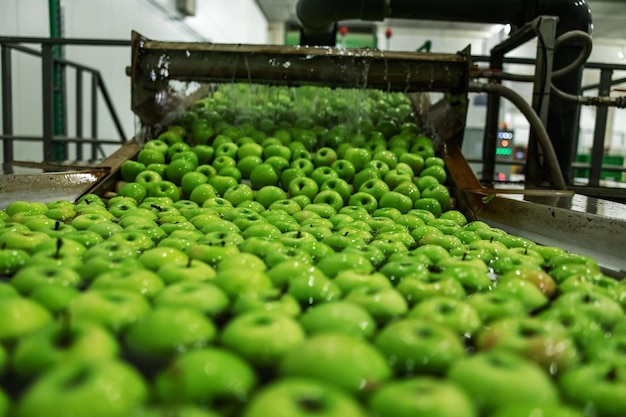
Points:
x=318, y=18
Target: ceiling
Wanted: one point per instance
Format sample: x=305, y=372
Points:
x=609, y=18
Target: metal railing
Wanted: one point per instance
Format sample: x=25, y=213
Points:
x=605, y=82
x=48, y=137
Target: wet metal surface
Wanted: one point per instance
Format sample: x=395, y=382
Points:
x=46, y=187
x=572, y=221
x=575, y=223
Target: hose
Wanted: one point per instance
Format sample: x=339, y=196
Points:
x=598, y=101
x=552, y=163
x=582, y=57
x=564, y=38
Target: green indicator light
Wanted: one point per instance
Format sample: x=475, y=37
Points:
x=504, y=151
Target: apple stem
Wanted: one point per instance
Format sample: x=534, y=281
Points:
x=189, y=262
x=612, y=374
x=66, y=331
x=57, y=225
x=464, y=256
x=57, y=255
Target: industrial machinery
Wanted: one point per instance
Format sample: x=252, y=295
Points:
x=544, y=210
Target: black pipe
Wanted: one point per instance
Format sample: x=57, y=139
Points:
x=319, y=16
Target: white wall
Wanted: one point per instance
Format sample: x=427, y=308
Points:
x=233, y=21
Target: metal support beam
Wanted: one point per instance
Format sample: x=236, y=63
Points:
x=545, y=29
x=47, y=83
x=79, y=113
x=597, y=150
x=94, y=116
x=7, y=104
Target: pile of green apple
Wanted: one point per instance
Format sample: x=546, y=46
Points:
x=286, y=252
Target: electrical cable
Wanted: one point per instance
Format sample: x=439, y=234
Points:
x=552, y=163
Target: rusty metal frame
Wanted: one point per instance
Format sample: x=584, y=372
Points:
x=155, y=64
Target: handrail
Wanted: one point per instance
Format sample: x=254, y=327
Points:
x=606, y=81
x=98, y=86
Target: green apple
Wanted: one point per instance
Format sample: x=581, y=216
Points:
x=303, y=186
x=272, y=300
x=263, y=175
x=209, y=376
x=437, y=171
x=142, y=281
x=29, y=278
x=106, y=388
x=525, y=410
x=139, y=240
x=364, y=175
x=473, y=275
x=597, y=387
x=492, y=306
x=178, y=168
x=95, y=266
x=165, y=331
x=343, y=361
x=364, y=200
x=396, y=271
x=324, y=156
x=423, y=396
x=115, y=308
x=269, y=194
x=202, y=296
x=175, y=148
x=349, y=280
x=525, y=291
x=157, y=145
x=55, y=298
x=211, y=254
x=338, y=316
x=457, y=315
x=499, y=378
x=336, y=262
x=61, y=343
x=262, y=337
x=303, y=164
x=204, y=153
x=148, y=156
x=384, y=304
x=418, y=288
x=311, y=286
x=358, y=157
x=542, y=341
x=299, y=397
x=344, y=169
x=537, y=277
x=22, y=240
x=22, y=316
x=11, y=260
x=155, y=258
x=164, y=188
x=417, y=346
x=429, y=204
x=233, y=282
x=593, y=304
